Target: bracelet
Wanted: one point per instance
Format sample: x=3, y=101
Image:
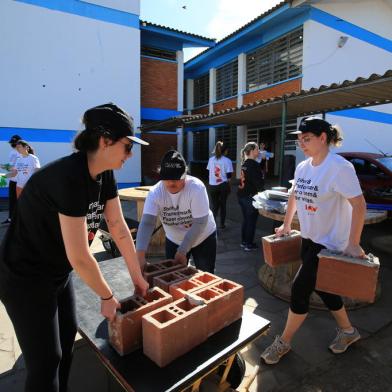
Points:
x=107, y=299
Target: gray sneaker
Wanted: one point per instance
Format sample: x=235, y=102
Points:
x=275, y=351
x=343, y=340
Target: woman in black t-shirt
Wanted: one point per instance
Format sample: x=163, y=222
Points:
x=56, y=219
x=251, y=182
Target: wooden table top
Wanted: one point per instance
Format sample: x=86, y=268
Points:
x=136, y=193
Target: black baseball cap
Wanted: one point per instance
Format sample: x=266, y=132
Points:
x=14, y=139
x=313, y=125
x=173, y=166
x=115, y=122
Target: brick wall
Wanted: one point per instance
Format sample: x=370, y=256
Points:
x=158, y=84
x=275, y=91
x=226, y=104
x=202, y=110
x=152, y=154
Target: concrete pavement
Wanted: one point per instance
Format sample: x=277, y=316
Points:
x=310, y=367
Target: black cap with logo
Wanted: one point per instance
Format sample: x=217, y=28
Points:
x=313, y=125
x=173, y=166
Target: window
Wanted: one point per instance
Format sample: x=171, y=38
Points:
x=200, y=146
x=227, y=80
x=201, y=90
x=228, y=135
x=277, y=61
x=158, y=53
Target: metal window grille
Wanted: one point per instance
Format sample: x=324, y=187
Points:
x=228, y=135
x=277, y=61
x=227, y=80
x=158, y=53
x=200, y=146
x=201, y=90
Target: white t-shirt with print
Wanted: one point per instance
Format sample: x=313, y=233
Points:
x=25, y=166
x=177, y=210
x=218, y=169
x=321, y=194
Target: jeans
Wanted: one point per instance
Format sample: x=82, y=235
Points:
x=219, y=194
x=204, y=254
x=249, y=221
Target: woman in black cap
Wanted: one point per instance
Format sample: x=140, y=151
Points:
x=14, y=155
x=58, y=214
x=181, y=202
x=331, y=211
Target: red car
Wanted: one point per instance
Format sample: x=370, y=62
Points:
x=375, y=175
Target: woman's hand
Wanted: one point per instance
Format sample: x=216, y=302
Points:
x=180, y=257
x=109, y=308
x=355, y=251
x=141, y=286
x=283, y=230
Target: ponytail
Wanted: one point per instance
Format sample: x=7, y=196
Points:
x=335, y=136
x=250, y=146
x=219, y=149
x=26, y=145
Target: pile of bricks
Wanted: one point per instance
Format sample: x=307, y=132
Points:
x=181, y=311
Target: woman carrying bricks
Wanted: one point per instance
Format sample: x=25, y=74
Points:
x=57, y=216
x=331, y=211
x=251, y=182
x=220, y=170
x=181, y=202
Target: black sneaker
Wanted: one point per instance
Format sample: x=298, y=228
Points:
x=250, y=247
x=6, y=222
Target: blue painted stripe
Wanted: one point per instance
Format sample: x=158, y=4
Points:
x=365, y=114
x=158, y=114
x=4, y=192
x=87, y=10
x=161, y=133
x=38, y=135
x=351, y=29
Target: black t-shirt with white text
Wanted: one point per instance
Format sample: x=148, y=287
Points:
x=34, y=245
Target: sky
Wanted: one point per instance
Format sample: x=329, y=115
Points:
x=208, y=18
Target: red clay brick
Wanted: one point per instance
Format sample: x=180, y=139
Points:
x=226, y=104
x=224, y=302
x=166, y=280
x=173, y=330
x=125, y=332
x=348, y=276
x=163, y=267
x=282, y=250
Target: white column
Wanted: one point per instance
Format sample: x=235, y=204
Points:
x=180, y=80
x=212, y=89
x=241, y=78
x=241, y=139
x=180, y=140
x=189, y=136
x=189, y=94
x=211, y=139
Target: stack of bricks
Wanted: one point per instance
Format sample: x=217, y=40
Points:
x=282, y=250
x=162, y=267
x=169, y=325
x=350, y=277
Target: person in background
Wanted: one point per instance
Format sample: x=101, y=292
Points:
x=220, y=171
x=26, y=165
x=251, y=182
x=263, y=158
x=331, y=210
x=58, y=214
x=13, y=156
x=181, y=203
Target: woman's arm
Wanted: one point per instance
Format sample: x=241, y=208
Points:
x=357, y=221
x=123, y=239
x=291, y=209
x=74, y=232
x=144, y=233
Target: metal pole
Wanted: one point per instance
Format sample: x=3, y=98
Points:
x=282, y=139
x=323, y=115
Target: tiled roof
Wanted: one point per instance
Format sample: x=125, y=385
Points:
x=145, y=23
x=263, y=15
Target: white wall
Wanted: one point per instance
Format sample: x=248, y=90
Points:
x=55, y=65
x=325, y=63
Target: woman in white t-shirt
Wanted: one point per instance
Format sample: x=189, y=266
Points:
x=26, y=165
x=331, y=211
x=220, y=171
x=181, y=203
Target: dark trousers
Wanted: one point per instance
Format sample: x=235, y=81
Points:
x=203, y=255
x=305, y=281
x=44, y=320
x=219, y=194
x=11, y=198
x=249, y=214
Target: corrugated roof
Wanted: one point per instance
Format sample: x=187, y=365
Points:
x=263, y=15
x=145, y=23
x=362, y=92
